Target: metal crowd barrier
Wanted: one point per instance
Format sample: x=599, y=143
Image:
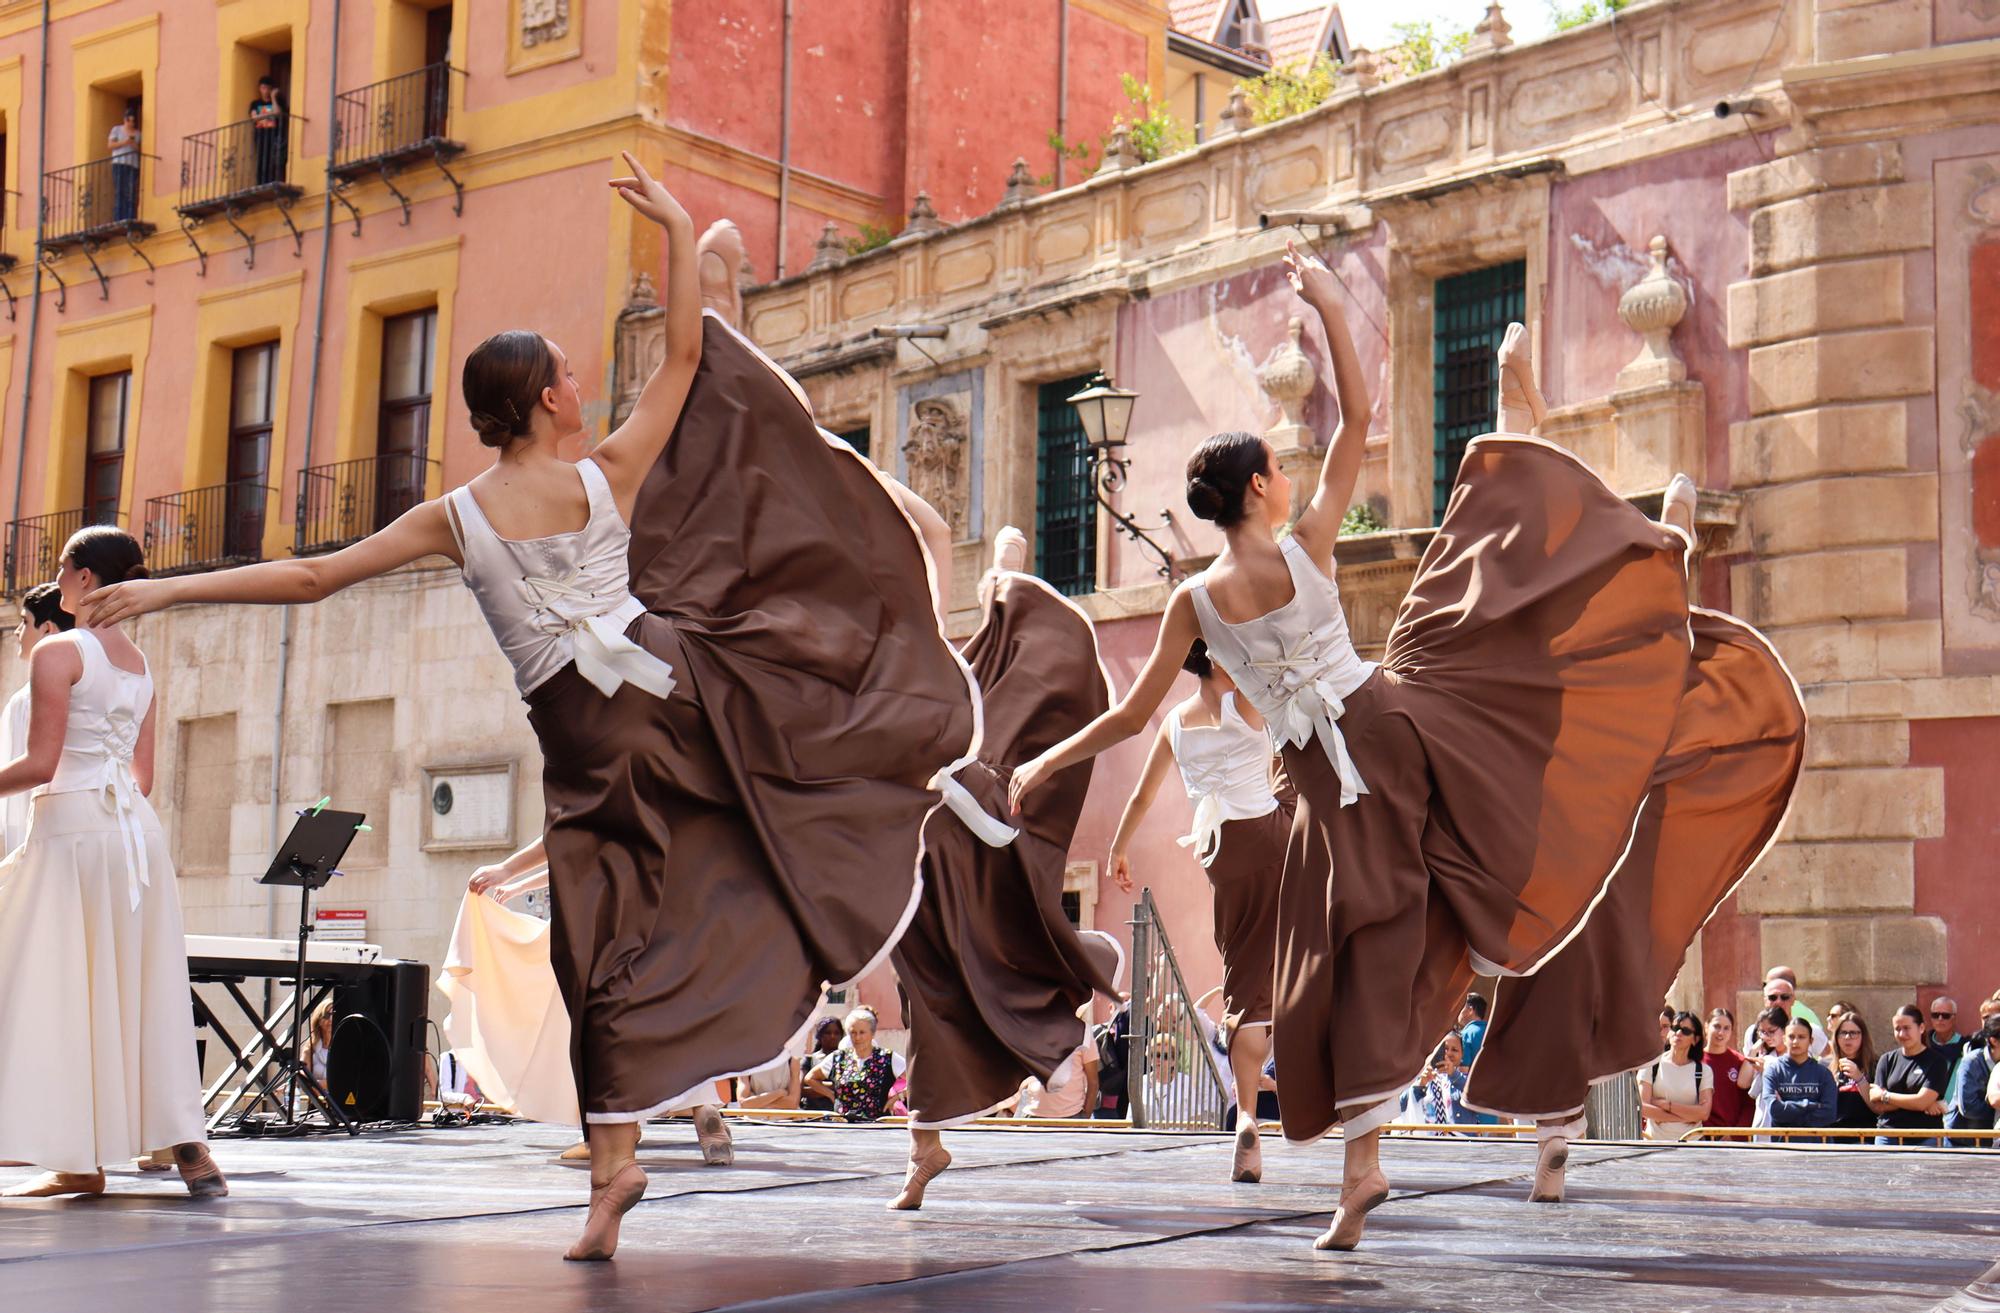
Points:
x=1173, y=1080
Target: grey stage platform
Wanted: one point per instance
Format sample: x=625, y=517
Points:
x=474, y=1219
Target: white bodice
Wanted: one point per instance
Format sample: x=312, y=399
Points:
x=567, y=597
x=1296, y=664
x=1226, y=769
x=107, y=709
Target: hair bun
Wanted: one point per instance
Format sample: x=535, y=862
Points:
x=1204, y=498
x=138, y=572
x=492, y=430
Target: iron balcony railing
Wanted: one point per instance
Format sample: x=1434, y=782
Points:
x=344, y=502
x=238, y=164
x=398, y=118
x=207, y=528
x=1174, y=1074
x=34, y=546
x=96, y=199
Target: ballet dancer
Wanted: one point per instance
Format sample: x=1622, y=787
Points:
x=736, y=679
x=97, y=1050
x=1241, y=824
x=1465, y=805
x=42, y=617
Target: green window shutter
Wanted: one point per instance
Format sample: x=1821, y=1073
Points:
x=1065, y=502
x=1472, y=313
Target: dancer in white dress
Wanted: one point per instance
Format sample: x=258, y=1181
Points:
x=97, y=1056
x=42, y=616
x=1241, y=825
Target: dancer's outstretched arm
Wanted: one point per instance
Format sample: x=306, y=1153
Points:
x=1178, y=630
x=515, y=874
x=1319, y=524
x=628, y=455
x=936, y=536
x=1159, y=760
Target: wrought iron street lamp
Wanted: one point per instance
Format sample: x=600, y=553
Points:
x=1106, y=412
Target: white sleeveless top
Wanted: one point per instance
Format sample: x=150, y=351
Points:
x=567, y=597
x=107, y=709
x=1226, y=768
x=1296, y=664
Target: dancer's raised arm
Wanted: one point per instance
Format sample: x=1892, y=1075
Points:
x=628, y=455
x=1178, y=630
x=1319, y=524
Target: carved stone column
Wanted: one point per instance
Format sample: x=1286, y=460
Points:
x=1287, y=378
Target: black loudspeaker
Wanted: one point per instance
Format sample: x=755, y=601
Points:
x=375, y=1069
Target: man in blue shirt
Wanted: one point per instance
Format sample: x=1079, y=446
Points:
x=1472, y=1025
x=1968, y=1109
x=1803, y=1091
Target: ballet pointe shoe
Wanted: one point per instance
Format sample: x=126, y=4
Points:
x=1247, y=1167
x=1677, y=505
x=1356, y=1202
x=576, y=1153
x=1549, y=1173
x=203, y=1179
x=159, y=1160
x=922, y=1172
x=1518, y=393
x=50, y=1185
x=711, y=1131
x=608, y=1205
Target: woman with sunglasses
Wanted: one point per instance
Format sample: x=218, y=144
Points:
x=1729, y=1072
x=1673, y=1097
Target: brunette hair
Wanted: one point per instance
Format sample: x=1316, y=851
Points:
x=1197, y=663
x=1865, y=1056
x=1219, y=473
x=43, y=602
x=503, y=381
x=108, y=552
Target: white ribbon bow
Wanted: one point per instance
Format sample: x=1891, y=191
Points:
x=1311, y=707
x=1205, y=835
x=992, y=833
x=116, y=788
x=604, y=655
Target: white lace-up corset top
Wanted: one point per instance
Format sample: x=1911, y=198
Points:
x=567, y=597
x=107, y=709
x=1296, y=664
x=1226, y=768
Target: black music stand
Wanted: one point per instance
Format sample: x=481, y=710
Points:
x=318, y=840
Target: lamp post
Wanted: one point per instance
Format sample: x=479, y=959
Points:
x=1106, y=412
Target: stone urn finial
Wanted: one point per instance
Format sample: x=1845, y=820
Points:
x=923, y=218
x=1118, y=152
x=829, y=252
x=1288, y=378
x=1491, y=32
x=1020, y=186
x=1237, y=114
x=1651, y=307
x=644, y=295
x=1361, y=70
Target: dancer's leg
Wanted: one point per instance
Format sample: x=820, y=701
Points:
x=1363, y=1186
x=50, y=1184
x=1522, y=408
x=1552, y=1135
x=1677, y=508
x=203, y=1179
x=711, y=1131
x=616, y=1183
x=1248, y=1047
x=927, y=1159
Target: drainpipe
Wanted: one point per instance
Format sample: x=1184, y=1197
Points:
x=286, y=618
x=35, y=298
x=1062, y=87
x=784, y=141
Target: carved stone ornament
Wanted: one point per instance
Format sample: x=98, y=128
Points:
x=829, y=252
x=1651, y=307
x=934, y=457
x=1237, y=114
x=1491, y=32
x=1119, y=152
x=923, y=220
x=1020, y=186
x=1288, y=378
x=1362, y=71
x=542, y=21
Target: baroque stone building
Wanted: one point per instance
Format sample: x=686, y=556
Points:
x=1757, y=240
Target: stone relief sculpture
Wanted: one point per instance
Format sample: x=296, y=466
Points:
x=543, y=20
x=934, y=457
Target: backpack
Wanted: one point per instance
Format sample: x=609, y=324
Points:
x=1700, y=1065
x=1113, y=1039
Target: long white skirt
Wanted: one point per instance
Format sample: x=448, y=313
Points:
x=507, y=1023
x=97, y=1058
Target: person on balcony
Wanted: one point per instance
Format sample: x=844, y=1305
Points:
x=124, y=144
x=267, y=132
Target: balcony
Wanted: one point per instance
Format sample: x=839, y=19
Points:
x=342, y=503
x=86, y=205
x=206, y=528
x=235, y=168
x=34, y=546
x=385, y=127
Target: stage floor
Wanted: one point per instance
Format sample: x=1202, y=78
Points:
x=1037, y=1221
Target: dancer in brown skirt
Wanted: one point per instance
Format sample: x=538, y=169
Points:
x=1545, y=703
x=1242, y=819
x=726, y=648
x=993, y=972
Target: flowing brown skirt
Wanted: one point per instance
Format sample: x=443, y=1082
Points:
x=993, y=970
x=1243, y=879
x=1549, y=729
x=716, y=855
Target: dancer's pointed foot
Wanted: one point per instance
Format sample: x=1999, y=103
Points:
x=50, y=1184
x=1248, y=1165
x=922, y=1172
x=576, y=1153
x=1677, y=506
x=1521, y=406
x=1357, y=1199
x=608, y=1205
x=1549, y=1173
x=203, y=1179
x=159, y=1160
x=711, y=1131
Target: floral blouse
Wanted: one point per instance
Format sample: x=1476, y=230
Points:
x=861, y=1085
